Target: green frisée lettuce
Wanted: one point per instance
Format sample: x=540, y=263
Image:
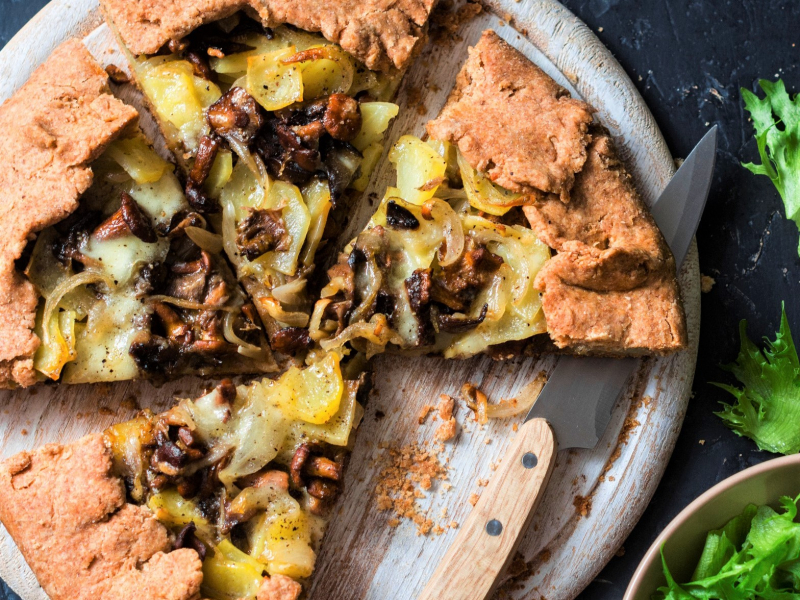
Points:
x=756, y=555
x=776, y=119
x=767, y=408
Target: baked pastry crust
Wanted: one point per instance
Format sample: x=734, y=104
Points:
x=68, y=515
x=512, y=121
x=611, y=289
x=54, y=126
x=382, y=34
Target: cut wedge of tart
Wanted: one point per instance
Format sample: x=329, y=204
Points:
x=124, y=279
x=282, y=107
x=225, y=496
x=515, y=220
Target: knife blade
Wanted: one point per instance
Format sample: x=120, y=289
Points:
x=572, y=411
x=580, y=393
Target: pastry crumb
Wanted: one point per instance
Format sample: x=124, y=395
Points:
x=473, y=499
x=706, y=283
x=446, y=406
x=583, y=505
x=423, y=414
x=447, y=430
x=405, y=473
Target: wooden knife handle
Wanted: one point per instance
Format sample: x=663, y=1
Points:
x=491, y=533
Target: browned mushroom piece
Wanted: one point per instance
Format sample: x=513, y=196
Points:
x=186, y=538
x=177, y=331
x=199, y=64
x=204, y=160
x=323, y=489
x=290, y=340
x=342, y=118
x=298, y=462
x=262, y=231
x=240, y=510
x=265, y=477
x=154, y=354
x=320, y=466
x=128, y=219
x=457, y=285
x=236, y=115
x=183, y=219
x=460, y=323
x=190, y=278
x=199, y=200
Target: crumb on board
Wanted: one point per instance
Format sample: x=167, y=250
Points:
x=702, y=442
x=515, y=427
x=104, y=410
x=447, y=430
x=473, y=499
x=24, y=432
x=406, y=472
x=424, y=412
x=706, y=283
x=446, y=406
x=117, y=75
x=583, y=505
x=621, y=552
x=483, y=482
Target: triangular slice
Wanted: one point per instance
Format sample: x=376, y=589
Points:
x=150, y=508
x=449, y=263
x=283, y=119
x=123, y=280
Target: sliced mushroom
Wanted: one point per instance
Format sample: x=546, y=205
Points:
x=236, y=115
x=399, y=217
x=206, y=153
x=128, y=219
x=290, y=340
x=262, y=231
x=342, y=118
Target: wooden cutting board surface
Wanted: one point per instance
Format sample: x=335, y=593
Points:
x=595, y=496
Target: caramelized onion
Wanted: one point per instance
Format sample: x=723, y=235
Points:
x=188, y=304
x=453, y=232
x=210, y=242
x=276, y=311
x=377, y=331
x=86, y=277
x=290, y=293
x=244, y=348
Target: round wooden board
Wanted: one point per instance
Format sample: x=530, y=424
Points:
x=595, y=496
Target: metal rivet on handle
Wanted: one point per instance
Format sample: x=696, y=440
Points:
x=494, y=527
x=529, y=460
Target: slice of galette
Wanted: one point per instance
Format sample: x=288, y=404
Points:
x=514, y=228
x=226, y=496
x=107, y=272
x=283, y=107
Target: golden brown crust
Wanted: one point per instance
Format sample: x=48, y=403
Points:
x=514, y=122
x=53, y=127
x=279, y=587
x=611, y=288
x=68, y=516
x=383, y=34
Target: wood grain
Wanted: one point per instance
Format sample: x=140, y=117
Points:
x=363, y=557
x=484, y=546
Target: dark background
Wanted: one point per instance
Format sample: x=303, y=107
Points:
x=689, y=58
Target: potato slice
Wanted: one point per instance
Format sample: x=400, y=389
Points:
x=420, y=169
x=273, y=84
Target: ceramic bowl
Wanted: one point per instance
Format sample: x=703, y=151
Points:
x=684, y=537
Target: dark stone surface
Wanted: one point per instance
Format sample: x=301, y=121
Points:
x=689, y=58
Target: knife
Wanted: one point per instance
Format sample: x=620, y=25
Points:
x=572, y=411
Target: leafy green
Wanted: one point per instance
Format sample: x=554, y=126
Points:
x=767, y=408
x=755, y=556
x=778, y=141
